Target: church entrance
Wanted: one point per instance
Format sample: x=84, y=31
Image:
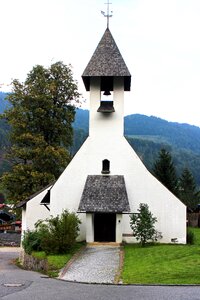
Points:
x=104, y=227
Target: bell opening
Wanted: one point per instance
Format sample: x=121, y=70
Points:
x=107, y=93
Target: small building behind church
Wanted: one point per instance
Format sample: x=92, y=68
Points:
x=106, y=180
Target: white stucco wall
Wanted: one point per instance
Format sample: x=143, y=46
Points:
x=106, y=141
x=89, y=228
x=34, y=211
x=118, y=230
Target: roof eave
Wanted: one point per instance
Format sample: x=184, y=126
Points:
x=127, y=82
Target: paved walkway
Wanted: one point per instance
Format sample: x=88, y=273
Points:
x=95, y=264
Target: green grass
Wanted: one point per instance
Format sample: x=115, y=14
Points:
x=162, y=264
x=57, y=261
x=39, y=254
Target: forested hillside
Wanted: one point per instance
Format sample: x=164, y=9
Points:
x=3, y=103
x=4, y=130
x=158, y=130
x=147, y=135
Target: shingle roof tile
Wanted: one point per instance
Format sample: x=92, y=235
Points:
x=107, y=61
x=104, y=194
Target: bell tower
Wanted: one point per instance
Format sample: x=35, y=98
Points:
x=106, y=180
x=106, y=77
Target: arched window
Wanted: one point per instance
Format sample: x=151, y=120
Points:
x=105, y=166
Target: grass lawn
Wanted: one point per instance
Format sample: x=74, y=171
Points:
x=162, y=264
x=57, y=261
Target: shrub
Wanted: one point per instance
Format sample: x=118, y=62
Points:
x=54, y=235
x=31, y=241
x=190, y=237
x=143, y=225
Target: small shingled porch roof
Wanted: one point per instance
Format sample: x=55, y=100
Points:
x=105, y=194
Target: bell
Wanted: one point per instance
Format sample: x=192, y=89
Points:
x=107, y=93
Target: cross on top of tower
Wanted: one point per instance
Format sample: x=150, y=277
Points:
x=108, y=14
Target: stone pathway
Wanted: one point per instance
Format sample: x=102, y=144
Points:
x=95, y=264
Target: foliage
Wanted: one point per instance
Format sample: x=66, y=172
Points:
x=79, y=138
x=4, y=131
x=190, y=236
x=4, y=104
x=41, y=133
x=82, y=120
x=179, y=135
x=148, y=135
x=54, y=235
x=57, y=261
x=31, y=241
x=187, y=189
x=143, y=225
x=165, y=171
x=162, y=264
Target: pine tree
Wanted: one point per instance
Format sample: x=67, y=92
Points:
x=41, y=115
x=165, y=172
x=143, y=225
x=188, y=190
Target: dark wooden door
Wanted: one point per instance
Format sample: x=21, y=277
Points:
x=104, y=227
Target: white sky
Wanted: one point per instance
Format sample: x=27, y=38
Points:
x=159, y=41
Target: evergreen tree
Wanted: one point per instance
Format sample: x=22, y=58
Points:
x=187, y=189
x=165, y=172
x=41, y=119
x=143, y=225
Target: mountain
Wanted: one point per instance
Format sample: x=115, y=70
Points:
x=158, y=130
x=152, y=130
x=146, y=135
x=3, y=103
x=82, y=119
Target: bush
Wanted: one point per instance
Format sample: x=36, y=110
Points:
x=143, y=225
x=54, y=235
x=190, y=237
x=31, y=241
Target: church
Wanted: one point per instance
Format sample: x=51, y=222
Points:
x=106, y=181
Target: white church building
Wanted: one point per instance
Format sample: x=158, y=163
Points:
x=106, y=180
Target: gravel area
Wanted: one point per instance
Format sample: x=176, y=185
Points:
x=11, y=250
x=95, y=264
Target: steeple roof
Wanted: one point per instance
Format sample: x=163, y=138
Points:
x=107, y=61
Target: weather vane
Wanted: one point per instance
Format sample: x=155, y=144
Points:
x=109, y=13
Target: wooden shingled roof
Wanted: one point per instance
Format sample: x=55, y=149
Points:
x=107, y=61
x=104, y=194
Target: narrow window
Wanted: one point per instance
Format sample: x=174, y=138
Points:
x=105, y=166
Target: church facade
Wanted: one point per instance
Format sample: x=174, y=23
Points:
x=106, y=180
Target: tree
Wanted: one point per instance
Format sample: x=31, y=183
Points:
x=41, y=115
x=143, y=225
x=165, y=172
x=187, y=189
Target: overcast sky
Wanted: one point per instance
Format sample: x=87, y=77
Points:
x=158, y=39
